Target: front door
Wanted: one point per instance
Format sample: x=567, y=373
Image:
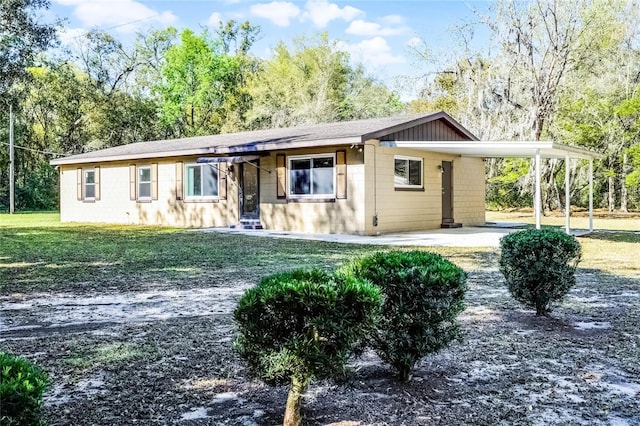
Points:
x=249, y=190
x=447, y=192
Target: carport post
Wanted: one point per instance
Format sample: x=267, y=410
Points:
x=537, y=201
x=567, y=195
x=590, y=194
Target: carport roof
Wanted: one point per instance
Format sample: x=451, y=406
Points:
x=499, y=149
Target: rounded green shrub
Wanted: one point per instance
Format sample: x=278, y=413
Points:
x=21, y=387
x=539, y=266
x=422, y=295
x=297, y=325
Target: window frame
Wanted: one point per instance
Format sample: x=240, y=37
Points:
x=185, y=179
x=139, y=181
x=311, y=196
x=408, y=159
x=85, y=184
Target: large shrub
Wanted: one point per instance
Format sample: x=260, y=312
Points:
x=422, y=295
x=21, y=387
x=539, y=266
x=298, y=325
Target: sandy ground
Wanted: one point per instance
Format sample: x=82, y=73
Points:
x=164, y=356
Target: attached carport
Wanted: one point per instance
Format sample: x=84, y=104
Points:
x=536, y=150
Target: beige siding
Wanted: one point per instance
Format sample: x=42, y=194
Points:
x=396, y=210
x=337, y=216
x=469, y=191
x=399, y=210
x=115, y=205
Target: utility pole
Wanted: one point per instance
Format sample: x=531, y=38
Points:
x=12, y=166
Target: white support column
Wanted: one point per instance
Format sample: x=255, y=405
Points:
x=12, y=165
x=538, y=198
x=567, y=195
x=591, y=195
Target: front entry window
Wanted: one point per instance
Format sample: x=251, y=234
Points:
x=201, y=181
x=312, y=176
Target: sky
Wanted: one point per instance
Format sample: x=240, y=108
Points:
x=382, y=35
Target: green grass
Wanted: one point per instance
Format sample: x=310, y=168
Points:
x=38, y=253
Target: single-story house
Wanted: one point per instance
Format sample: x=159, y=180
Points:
x=347, y=177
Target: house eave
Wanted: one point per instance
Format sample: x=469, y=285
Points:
x=208, y=151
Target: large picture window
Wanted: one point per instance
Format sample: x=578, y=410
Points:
x=407, y=172
x=89, y=184
x=144, y=183
x=312, y=176
x=201, y=181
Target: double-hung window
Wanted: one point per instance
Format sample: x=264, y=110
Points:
x=312, y=176
x=89, y=184
x=144, y=183
x=201, y=181
x=407, y=172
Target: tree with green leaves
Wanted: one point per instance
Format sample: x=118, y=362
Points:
x=304, y=324
x=22, y=36
x=197, y=79
x=313, y=82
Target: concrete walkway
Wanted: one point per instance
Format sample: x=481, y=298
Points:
x=457, y=237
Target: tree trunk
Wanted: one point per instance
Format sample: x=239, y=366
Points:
x=623, y=184
x=612, y=194
x=292, y=415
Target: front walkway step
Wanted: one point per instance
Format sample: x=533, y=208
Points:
x=250, y=224
x=450, y=225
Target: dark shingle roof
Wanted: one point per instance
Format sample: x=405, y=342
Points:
x=255, y=141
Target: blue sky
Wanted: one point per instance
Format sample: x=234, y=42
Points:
x=380, y=34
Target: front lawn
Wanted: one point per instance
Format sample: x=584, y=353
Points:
x=134, y=326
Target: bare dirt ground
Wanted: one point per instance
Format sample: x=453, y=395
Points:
x=161, y=355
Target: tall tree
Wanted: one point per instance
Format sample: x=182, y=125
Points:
x=22, y=36
x=314, y=82
x=197, y=78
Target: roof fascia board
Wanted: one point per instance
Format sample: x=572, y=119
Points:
x=482, y=148
x=253, y=149
x=418, y=121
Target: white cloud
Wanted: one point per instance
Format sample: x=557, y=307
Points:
x=214, y=19
x=133, y=14
x=278, y=12
x=368, y=29
x=321, y=12
x=373, y=53
x=68, y=35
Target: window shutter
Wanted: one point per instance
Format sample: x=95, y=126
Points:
x=281, y=176
x=132, y=183
x=96, y=173
x=179, y=178
x=154, y=181
x=341, y=174
x=222, y=180
x=80, y=178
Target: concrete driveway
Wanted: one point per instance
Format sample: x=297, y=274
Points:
x=456, y=237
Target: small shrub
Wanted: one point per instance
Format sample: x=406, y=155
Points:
x=539, y=266
x=422, y=295
x=21, y=387
x=298, y=325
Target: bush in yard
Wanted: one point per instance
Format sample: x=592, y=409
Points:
x=21, y=387
x=303, y=324
x=539, y=266
x=422, y=295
